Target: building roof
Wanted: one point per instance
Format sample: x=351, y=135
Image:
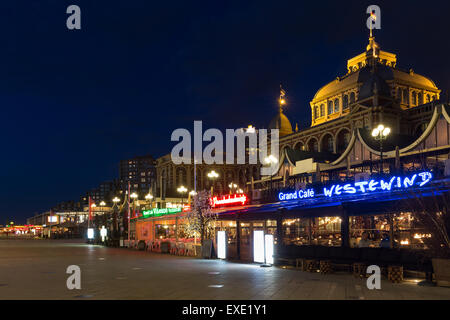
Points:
x=282, y=123
x=360, y=73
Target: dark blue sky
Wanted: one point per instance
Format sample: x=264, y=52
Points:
x=74, y=103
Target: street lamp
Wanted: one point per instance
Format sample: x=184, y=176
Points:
x=115, y=201
x=182, y=190
x=232, y=186
x=380, y=133
x=192, y=194
x=212, y=175
x=149, y=197
x=270, y=160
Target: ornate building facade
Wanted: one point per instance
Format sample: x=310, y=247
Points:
x=343, y=112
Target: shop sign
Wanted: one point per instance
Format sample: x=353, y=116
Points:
x=298, y=194
x=156, y=212
x=364, y=187
x=235, y=199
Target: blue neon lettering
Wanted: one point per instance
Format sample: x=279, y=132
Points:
x=349, y=189
x=361, y=185
x=387, y=185
x=372, y=185
x=426, y=177
x=327, y=192
x=409, y=183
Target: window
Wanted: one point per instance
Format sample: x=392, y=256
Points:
x=322, y=110
x=336, y=105
x=405, y=96
x=420, y=98
x=352, y=97
x=326, y=231
x=330, y=107
x=414, y=98
x=345, y=102
x=316, y=112
x=330, y=144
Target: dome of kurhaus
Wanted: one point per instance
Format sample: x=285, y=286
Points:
x=367, y=71
x=352, y=80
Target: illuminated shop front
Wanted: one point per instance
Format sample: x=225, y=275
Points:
x=334, y=215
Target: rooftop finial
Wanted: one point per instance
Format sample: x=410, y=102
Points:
x=282, y=100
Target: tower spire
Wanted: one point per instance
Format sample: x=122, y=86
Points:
x=282, y=100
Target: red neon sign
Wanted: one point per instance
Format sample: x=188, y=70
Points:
x=227, y=200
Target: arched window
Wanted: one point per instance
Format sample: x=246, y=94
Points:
x=399, y=94
x=343, y=140
x=313, y=145
x=414, y=98
x=405, y=96
x=352, y=98
x=345, y=102
x=299, y=146
x=330, y=107
x=420, y=98
x=336, y=105
x=322, y=110
x=327, y=143
x=316, y=112
x=428, y=98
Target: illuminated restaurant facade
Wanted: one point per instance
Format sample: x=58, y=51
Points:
x=335, y=180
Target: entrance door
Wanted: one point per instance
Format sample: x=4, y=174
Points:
x=245, y=242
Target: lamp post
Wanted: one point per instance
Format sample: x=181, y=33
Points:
x=213, y=176
x=182, y=190
x=232, y=186
x=270, y=160
x=380, y=133
x=115, y=226
x=149, y=197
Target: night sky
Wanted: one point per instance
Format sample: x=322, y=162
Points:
x=74, y=103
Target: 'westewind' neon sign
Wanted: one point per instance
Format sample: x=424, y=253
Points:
x=364, y=187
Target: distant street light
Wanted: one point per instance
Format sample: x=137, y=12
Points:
x=116, y=200
x=380, y=133
x=232, y=186
x=182, y=190
x=213, y=176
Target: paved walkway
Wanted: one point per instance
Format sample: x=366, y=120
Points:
x=36, y=269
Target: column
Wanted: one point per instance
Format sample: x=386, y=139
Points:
x=345, y=233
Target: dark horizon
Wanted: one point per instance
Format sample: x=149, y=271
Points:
x=78, y=102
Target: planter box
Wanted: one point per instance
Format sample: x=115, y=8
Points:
x=441, y=269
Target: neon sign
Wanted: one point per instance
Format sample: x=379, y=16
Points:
x=298, y=194
x=228, y=200
x=156, y=212
x=364, y=187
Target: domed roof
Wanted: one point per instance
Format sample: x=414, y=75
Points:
x=282, y=123
x=359, y=73
x=374, y=80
